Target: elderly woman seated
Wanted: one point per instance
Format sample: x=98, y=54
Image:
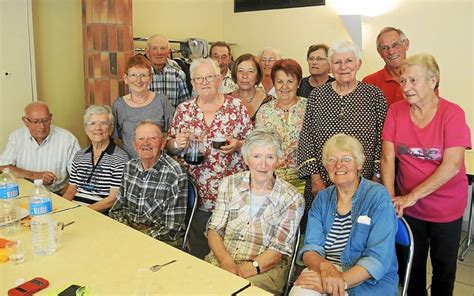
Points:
x=253, y=227
x=97, y=170
x=350, y=237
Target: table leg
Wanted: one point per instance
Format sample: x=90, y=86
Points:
x=466, y=242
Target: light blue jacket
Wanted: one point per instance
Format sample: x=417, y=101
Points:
x=370, y=245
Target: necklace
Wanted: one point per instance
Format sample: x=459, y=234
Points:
x=247, y=99
x=139, y=102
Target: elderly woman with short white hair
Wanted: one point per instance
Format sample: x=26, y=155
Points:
x=267, y=58
x=97, y=170
x=345, y=105
x=209, y=116
x=349, y=244
x=255, y=221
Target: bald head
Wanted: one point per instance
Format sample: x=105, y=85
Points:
x=38, y=120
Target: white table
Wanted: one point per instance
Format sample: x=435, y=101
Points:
x=100, y=252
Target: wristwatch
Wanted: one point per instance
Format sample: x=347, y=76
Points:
x=257, y=267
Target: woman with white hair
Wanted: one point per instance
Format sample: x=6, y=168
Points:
x=96, y=171
x=209, y=116
x=253, y=227
x=267, y=58
x=344, y=105
x=349, y=245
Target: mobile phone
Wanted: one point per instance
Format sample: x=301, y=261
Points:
x=29, y=288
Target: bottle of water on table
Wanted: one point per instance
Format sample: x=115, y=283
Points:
x=42, y=224
x=9, y=208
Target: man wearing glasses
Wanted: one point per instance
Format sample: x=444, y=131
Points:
x=392, y=45
x=221, y=54
x=40, y=150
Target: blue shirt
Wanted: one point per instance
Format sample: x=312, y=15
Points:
x=371, y=242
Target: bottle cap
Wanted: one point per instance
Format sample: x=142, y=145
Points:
x=38, y=182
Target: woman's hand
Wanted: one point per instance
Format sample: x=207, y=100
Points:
x=317, y=184
x=232, y=146
x=182, y=139
x=402, y=202
x=310, y=279
x=332, y=280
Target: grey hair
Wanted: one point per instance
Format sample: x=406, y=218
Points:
x=344, y=142
x=99, y=110
x=262, y=136
x=157, y=36
x=403, y=37
x=344, y=46
x=145, y=122
x=276, y=52
x=207, y=61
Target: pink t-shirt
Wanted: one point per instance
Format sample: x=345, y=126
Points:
x=420, y=152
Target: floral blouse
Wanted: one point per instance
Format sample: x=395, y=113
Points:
x=273, y=117
x=231, y=119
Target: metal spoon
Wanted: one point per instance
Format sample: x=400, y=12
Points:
x=157, y=267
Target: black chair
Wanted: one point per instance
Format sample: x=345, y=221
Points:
x=289, y=279
x=192, y=205
x=404, y=237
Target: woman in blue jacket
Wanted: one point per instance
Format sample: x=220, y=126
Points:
x=349, y=246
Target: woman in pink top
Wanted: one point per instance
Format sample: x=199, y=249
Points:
x=428, y=135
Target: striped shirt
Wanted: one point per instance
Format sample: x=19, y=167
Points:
x=93, y=182
x=171, y=82
x=273, y=227
x=54, y=155
x=154, y=199
x=337, y=238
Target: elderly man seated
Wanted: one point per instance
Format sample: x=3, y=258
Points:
x=40, y=150
x=253, y=227
x=153, y=194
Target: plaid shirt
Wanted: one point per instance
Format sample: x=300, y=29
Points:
x=273, y=228
x=155, y=199
x=171, y=82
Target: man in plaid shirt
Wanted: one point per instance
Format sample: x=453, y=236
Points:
x=167, y=79
x=153, y=194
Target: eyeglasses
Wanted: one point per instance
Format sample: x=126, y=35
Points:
x=344, y=159
x=145, y=139
x=44, y=121
x=264, y=60
x=142, y=76
x=315, y=59
x=208, y=78
x=394, y=45
x=93, y=124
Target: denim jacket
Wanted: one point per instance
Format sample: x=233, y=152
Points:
x=371, y=243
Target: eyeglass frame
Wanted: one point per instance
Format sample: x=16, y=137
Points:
x=394, y=45
x=45, y=121
x=264, y=60
x=200, y=79
x=135, y=76
x=316, y=59
x=345, y=159
x=93, y=124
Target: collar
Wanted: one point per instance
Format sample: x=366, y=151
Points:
x=109, y=149
x=273, y=196
x=386, y=75
x=155, y=167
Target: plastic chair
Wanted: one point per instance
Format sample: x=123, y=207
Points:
x=404, y=237
x=289, y=279
x=192, y=205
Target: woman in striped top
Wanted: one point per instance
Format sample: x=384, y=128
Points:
x=97, y=170
x=349, y=246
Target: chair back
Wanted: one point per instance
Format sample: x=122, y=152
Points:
x=289, y=279
x=404, y=237
x=191, y=208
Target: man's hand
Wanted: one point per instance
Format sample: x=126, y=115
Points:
x=310, y=279
x=230, y=266
x=332, y=280
x=47, y=177
x=317, y=184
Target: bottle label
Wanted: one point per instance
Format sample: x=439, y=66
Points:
x=41, y=208
x=9, y=191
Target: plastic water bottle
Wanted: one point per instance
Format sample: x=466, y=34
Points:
x=9, y=208
x=42, y=224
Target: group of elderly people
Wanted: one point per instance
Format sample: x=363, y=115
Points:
x=330, y=138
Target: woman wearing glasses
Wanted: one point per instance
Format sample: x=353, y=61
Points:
x=267, y=57
x=318, y=66
x=215, y=116
x=140, y=104
x=349, y=244
x=246, y=72
x=344, y=105
x=96, y=171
